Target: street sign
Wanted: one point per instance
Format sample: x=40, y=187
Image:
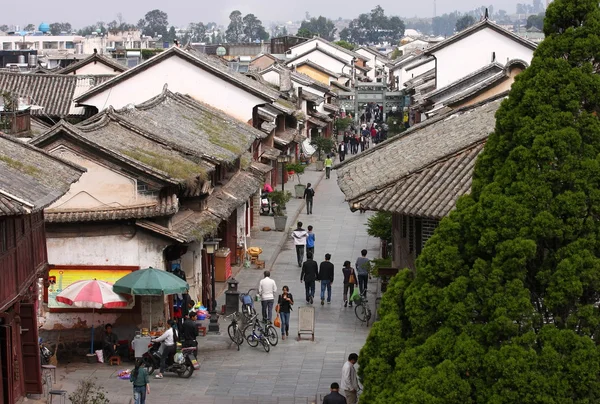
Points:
x=306, y=321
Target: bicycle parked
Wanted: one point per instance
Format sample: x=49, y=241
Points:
x=362, y=310
x=257, y=336
x=265, y=328
x=234, y=329
x=248, y=310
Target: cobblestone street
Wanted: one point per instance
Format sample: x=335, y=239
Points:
x=294, y=371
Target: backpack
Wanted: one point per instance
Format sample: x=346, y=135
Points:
x=310, y=192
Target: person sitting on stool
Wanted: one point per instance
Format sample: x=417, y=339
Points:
x=110, y=343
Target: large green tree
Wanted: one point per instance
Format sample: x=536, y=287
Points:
x=321, y=26
x=235, y=29
x=155, y=22
x=254, y=29
x=503, y=305
x=373, y=28
x=464, y=22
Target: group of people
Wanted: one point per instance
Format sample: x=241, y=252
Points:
x=267, y=288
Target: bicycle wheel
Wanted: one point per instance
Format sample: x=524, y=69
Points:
x=266, y=345
x=252, y=340
x=232, y=330
x=248, y=330
x=239, y=337
x=361, y=313
x=271, y=334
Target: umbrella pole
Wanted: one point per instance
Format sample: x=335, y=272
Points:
x=92, y=351
x=150, y=329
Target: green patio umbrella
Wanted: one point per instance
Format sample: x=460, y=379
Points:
x=150, y=282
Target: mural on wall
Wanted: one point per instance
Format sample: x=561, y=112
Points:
x=60, y=278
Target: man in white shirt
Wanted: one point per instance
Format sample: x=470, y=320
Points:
x=168, y=340
x=349, y=380
x=299, y=235
x=266, y=291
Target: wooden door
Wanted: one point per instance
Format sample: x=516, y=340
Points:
x=205, y=279
x=30, y=350
x=6, y=364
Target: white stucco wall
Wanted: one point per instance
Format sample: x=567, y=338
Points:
x=373, y=62
x=474, y=52
x=271, y=77
x=183, y=77
x=99, y=187
x=325, y=61
x=306, y=46
x=95, y=69
x=412, y=73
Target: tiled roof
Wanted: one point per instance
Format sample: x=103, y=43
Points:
x=419, y=148
x=220, y=205
x=431, y=192
x=269, y=153
x=312, y=97
x=165, y=207
x=30, y=178
x=320, y=115
x=286, y=137
x=198, y=59
x=325, y=52
x=181, y=121
x=317, y=122
x=53, y=92
x=94, y=58
x=331, y=107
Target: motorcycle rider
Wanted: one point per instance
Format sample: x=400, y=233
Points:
x=168, y=342
x=189, y=331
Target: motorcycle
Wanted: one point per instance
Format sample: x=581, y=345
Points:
x=265, y=204
x=183, y=362
x=45, y=353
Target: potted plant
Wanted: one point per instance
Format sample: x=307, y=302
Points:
x=297, y=169
x=278, y=201
x=323, y=146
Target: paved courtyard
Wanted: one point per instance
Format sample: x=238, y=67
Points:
x=294, y=371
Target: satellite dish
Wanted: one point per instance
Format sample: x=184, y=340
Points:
x=221, y=51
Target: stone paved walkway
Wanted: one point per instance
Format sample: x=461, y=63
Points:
x=294, y=371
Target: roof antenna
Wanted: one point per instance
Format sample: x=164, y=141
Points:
x=95, y=51
x=486, y=16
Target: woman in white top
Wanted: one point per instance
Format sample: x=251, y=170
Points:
x=168, y=341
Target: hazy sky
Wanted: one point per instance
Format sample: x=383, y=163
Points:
x=80, y=13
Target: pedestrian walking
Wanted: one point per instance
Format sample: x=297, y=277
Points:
x=141, y=383
x=342, y=151
x=309, y=194
x=328, y=165
x=334, y=397
x=363, y=264
x=299, y=235
x=266, y=291
x=349, y=281
x=326, y=277
x=309, y=275
x=349, y=380
x=310, y=241
x=285, y=303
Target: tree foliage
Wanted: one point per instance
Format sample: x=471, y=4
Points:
x=536, y=21
x=380, y=225
x=57, y=27
x=374, y=27
x=320, y=26
x=154, y=23
x=445, y=24
x=253, y=29
x=464, y=22
x=245, y=29
x=503, y=306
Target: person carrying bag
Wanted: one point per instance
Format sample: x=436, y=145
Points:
x=349, y=282
x=284, y=307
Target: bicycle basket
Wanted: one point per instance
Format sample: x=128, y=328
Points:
x=247, y=299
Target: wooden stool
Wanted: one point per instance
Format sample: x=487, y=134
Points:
x=260, y=264
x=61, y=393
x=202, y=331
x=114, y=360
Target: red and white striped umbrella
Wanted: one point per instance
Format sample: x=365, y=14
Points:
x=92, y=294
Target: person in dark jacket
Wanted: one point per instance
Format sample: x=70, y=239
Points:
x=189, y=331
x=309, y=275
x=334, y=397
x=285, y=302
x=326, y=277
x=110, y=343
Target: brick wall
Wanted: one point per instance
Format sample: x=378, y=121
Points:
x=256, y=211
